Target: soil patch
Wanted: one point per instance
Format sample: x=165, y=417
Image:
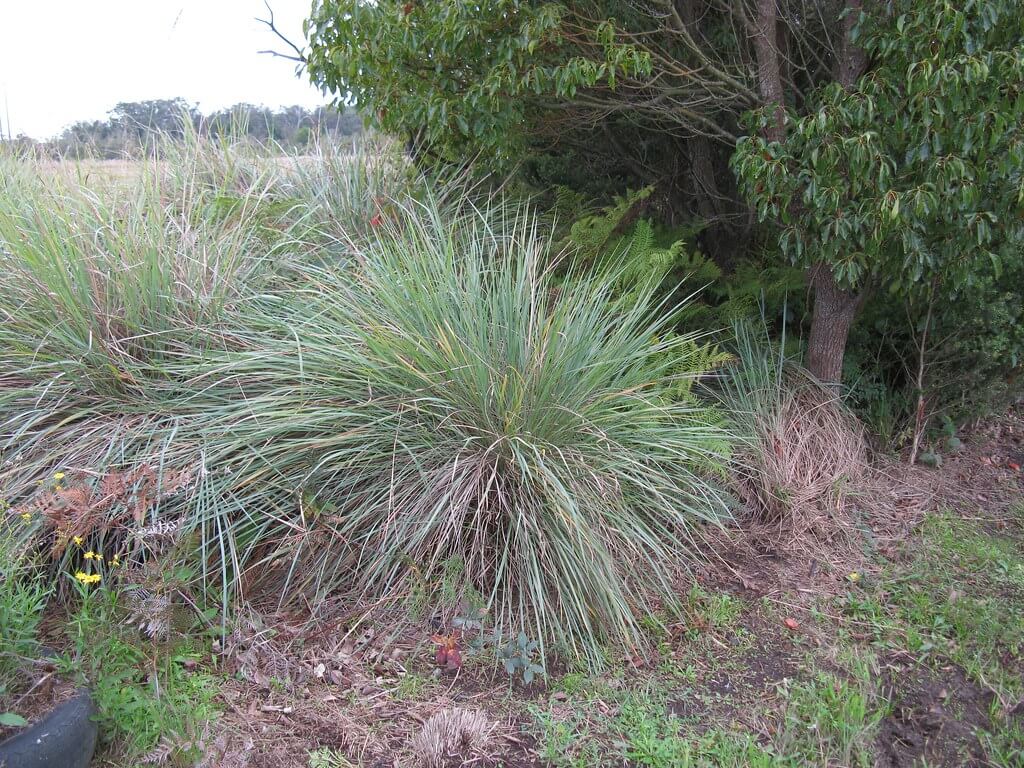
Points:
x=935, y=718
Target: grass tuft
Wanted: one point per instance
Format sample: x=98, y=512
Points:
x=803, y=452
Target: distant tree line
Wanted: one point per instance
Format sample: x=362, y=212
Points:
x=130, y=127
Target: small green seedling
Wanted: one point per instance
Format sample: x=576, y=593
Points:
x=518, y=657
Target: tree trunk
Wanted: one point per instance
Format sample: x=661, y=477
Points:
x=703, y=191
x=769, y=69
x=851, y=61
x=703, y=179
x=835, y=309
x=703, y=183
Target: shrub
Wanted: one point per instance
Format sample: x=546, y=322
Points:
x=973, y=355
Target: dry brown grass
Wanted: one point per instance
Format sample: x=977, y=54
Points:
x=93, y=171
x=814, y=497
x=451, y=737
x=295, y=685
x=808, y=455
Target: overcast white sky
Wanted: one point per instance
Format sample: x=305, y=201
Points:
x=68, y=60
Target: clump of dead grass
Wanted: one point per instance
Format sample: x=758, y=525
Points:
x=809, y=453
x=451, y=736
x=804, y=457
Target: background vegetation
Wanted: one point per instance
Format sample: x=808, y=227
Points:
x=133, y=128
x=877, y=145
x=498, y=391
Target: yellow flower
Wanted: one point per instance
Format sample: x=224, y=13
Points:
x=58, y=487
x=59, y=476
x=90, y=555
x=854, y=577
x=88, y=578
x=26, y=517
x=77, y=540
x=115, y=561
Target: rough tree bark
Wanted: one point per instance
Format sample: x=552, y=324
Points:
x=702, y=178
x=707, y=195
x=835, y=308
x=769, y=65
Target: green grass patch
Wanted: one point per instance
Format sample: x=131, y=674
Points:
x=829, y=720
x=153, y=698
x=24, y=592
x=960, y=600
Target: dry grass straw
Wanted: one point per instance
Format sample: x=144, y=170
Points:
x=813, y=492
x=452, y=737
x=811, y=456
x=801, y=469
x=338, y=686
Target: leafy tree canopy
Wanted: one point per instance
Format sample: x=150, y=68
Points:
x=915, y=172
x=878, y=143
x=486, y=77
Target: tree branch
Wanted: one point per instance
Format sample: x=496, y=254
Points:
x=299, y=56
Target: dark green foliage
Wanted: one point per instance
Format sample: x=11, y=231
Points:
x=634, y=255
x=602, y=96
x=912, y=175
x=906, y=186
x=454, y=76
x=973, y=356
x=621, y=242
x=617, y=242
x=906, y=181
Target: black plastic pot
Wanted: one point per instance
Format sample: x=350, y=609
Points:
x=65, y=738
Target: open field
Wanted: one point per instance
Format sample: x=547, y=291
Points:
x=312, y=464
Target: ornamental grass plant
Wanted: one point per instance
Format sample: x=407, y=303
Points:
x=328, y=410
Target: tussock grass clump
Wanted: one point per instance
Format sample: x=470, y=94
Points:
x=449, y=735
x=110, y=285
x=100, y=289
x=803, y=452
x=351, y=412
x=450, y=400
